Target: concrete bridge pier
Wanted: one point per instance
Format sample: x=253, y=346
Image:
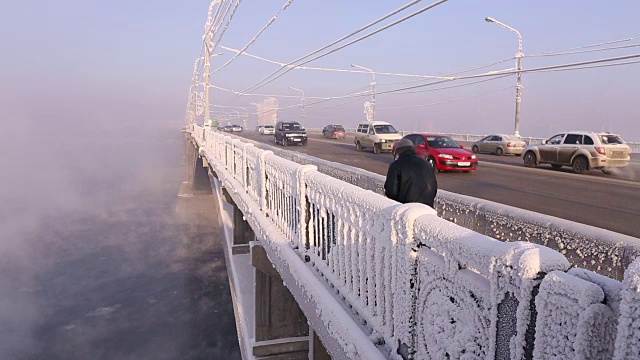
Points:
x=280, y=329
x=197, y=174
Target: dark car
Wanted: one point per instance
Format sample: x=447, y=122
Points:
x=442, y=152
x=289, y=132
x=334, y=132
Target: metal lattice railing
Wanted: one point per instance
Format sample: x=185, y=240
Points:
x=424, y=286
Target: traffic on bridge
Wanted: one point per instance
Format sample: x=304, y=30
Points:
x=288, y=179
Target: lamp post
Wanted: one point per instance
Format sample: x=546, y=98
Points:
x=207, y=80
x=302, y=102
x=259, y=110
x=519, y=57
x=373, y=85
x=193, y=90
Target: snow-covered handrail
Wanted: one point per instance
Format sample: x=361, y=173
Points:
x=595, y=249
x=423, y=286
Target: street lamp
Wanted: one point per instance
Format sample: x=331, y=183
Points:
x=302, y=101
x=373, y=85
x=519, y=57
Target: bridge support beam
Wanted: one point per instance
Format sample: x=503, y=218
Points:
x=281, y=328
x=197, y=174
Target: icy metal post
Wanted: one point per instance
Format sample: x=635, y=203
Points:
x=519, y=57
x=302, y=101
x=373, y=85
x=208, y=44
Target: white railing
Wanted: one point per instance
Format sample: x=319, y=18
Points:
x=602, y=251
x=425, y=287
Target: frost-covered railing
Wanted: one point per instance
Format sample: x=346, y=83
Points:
x=602, y=251
x=423, y=286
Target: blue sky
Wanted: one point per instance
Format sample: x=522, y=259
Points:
x=126, y=61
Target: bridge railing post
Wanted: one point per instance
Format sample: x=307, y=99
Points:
x=301, y=207
x=627, y=344
x=261, y=185
x=486, y=287
x=574, y=321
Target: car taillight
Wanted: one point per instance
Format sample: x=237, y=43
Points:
x=601, y=150
x=509, y=144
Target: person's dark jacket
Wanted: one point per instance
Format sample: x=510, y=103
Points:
x=411, y=179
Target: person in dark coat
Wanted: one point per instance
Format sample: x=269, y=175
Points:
x=410, y=178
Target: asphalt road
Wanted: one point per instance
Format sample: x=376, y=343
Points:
x=606, y=201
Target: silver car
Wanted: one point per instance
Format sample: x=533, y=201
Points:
x=582, y=150
x=499, y=144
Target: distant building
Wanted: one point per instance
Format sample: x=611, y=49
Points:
x=268, y=112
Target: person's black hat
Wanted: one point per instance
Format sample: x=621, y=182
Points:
x=403, y=145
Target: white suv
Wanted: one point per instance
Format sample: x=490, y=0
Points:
x=582, y=150
x=377, y=135
x=267, y=130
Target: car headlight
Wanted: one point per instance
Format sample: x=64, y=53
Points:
x=445, y=156
x=472, y=157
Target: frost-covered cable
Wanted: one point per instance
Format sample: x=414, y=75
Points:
x=496, y=74
x=235, y=8
x=271, y=21
x=593, y=66
x=402, y=8
x=263, y=95
x=583, y=51
x=448, y=101
x=512, y=71
x=589, y=46
x=339, y=70
x=405, y=18
x=450, y=87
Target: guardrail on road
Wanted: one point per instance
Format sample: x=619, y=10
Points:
x=425, y=287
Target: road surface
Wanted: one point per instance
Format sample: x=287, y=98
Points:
x=606, y=201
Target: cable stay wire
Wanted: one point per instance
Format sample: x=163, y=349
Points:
x=589, y=46
x=255, y=37
x=269, y=78
x=494, y=75
x=293, y=67
x=235, y=8
x=449, y=74
x=448, y=101
x=451, y=87
x=212, y=25
x=593, y=66
x=582, y=51
x=499, y=73
x=207, y=27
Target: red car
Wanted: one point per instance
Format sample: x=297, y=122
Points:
x=442, y=152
